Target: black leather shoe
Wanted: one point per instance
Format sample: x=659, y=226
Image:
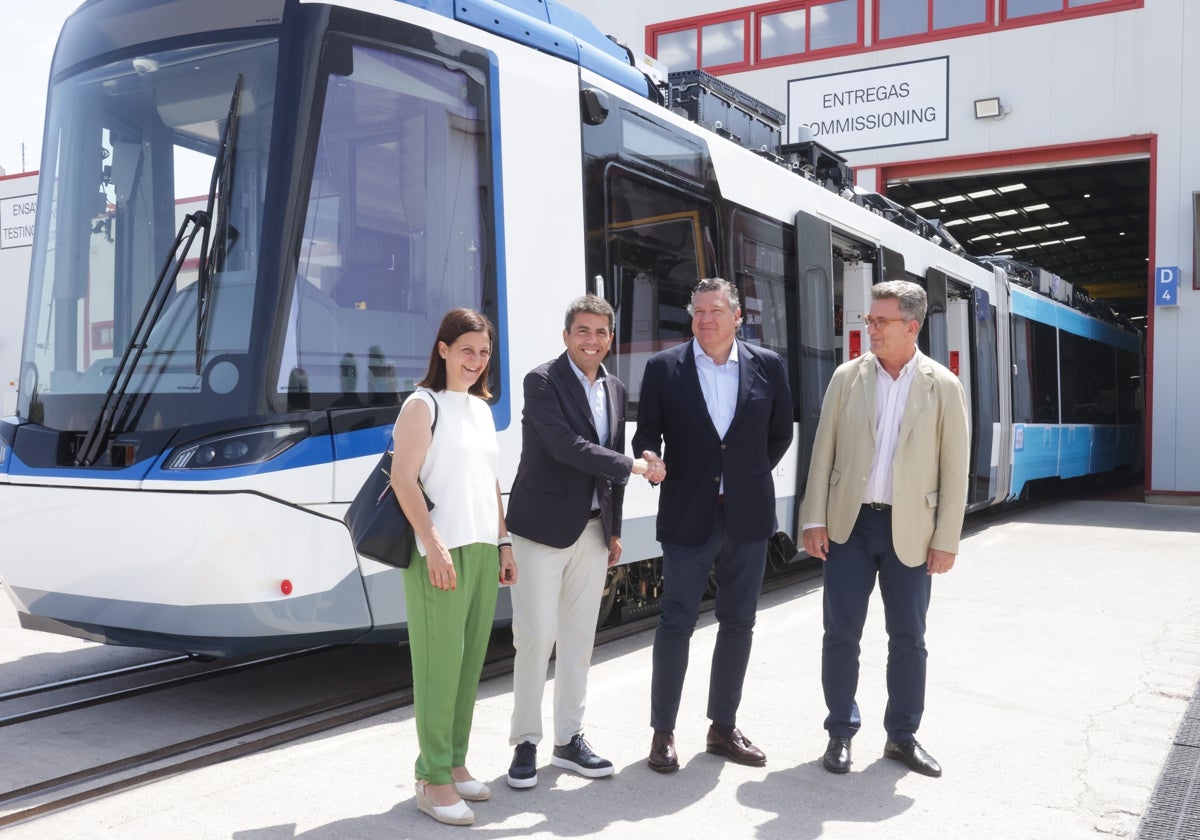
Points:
x=731, y=743
x=913, y=755
x=662, y=753
x=837, y=756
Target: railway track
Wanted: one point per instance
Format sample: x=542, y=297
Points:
x=32, y=800
x=86, y=702
x=140, y=759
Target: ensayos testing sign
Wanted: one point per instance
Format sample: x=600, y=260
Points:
x=893, y=105
x=16, y=221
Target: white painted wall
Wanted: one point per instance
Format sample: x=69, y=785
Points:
x=1097, y=78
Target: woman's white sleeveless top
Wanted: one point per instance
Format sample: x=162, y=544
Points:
x=459, y=471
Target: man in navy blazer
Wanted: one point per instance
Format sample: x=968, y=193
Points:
x=565, y=516
x=720, y=412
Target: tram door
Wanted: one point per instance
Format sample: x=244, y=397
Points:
x=817, y=316
x=958, y=345
x=983, y=390
x=946, y=336
x=933, y=340
x=857, y=279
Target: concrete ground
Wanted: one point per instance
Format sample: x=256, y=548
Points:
x=1064, y=648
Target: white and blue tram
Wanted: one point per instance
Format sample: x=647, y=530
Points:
x=254, y=213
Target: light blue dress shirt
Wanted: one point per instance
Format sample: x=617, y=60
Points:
x=719, y=383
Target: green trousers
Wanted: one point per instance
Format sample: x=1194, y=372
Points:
x=448, y=633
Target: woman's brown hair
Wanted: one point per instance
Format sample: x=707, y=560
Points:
x=455, y=323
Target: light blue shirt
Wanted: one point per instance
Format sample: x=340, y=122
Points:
x=597, y=398
x=719, y=383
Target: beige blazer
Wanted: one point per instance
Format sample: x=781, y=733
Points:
x=929, y=476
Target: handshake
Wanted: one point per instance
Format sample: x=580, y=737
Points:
x=650, y=466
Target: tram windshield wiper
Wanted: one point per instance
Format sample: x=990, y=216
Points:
x=213, y=260
x=105, y=422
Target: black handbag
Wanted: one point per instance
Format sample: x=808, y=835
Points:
x=377, y=523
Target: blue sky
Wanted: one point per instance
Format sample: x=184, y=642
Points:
x=27, y=38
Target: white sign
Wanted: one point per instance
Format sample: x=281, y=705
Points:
x=893, y=105
x=16, y=221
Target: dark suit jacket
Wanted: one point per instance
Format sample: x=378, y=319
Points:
x=563, y=461
x=674, y=421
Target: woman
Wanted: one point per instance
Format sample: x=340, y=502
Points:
x=446, y=440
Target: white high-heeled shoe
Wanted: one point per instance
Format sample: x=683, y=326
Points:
x=457, y=814
x=474, y=790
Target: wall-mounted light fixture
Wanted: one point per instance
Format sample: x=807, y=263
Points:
x=990, y=108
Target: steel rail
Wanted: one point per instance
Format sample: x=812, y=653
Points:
x=46, y=688
x=161, y=685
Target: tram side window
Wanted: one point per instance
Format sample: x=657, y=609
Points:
x=1088, y=372
x=1103, y=375
x=394, y=234
x=658, y=247
x=1043, y=368
x=765, y=276
x=1022, y=385
x=1077, y=405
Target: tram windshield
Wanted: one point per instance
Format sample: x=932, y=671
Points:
x=131, y=147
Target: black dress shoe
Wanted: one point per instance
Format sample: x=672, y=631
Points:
x=662, y=753
x=837, y=756
x=913, y=755
x=731, y=743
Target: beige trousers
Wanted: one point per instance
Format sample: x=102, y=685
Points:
x=556, y=603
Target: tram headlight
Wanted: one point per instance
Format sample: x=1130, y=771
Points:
x=238, y=449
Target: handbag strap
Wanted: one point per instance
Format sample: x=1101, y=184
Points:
x=433, y=425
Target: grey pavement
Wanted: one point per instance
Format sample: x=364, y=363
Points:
x=1064, y=649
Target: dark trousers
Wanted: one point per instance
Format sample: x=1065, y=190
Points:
x=739, y=572
x=850, y=572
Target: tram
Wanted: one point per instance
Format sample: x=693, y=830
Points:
x=255, y=212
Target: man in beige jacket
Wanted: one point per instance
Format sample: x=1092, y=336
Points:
x=886, y=495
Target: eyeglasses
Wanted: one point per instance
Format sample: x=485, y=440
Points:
x=877, y=323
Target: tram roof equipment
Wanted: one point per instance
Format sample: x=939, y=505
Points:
x=550, y=27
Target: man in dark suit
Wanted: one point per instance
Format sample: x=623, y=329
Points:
x=720, y=412
x=565, y=516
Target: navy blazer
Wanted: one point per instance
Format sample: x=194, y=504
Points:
x=673, y=420
x=563, y=460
